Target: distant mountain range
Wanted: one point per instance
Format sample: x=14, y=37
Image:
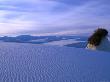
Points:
x=47, y=39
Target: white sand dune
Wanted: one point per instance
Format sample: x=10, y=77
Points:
x=36, y=63
x=63, y=42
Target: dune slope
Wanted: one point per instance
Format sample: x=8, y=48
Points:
x=36, y=63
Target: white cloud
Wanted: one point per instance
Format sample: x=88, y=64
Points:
x=46, y=16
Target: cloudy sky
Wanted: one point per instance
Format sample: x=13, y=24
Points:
x=39, y=17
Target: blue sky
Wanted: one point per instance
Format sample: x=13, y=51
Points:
x=41, y=17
